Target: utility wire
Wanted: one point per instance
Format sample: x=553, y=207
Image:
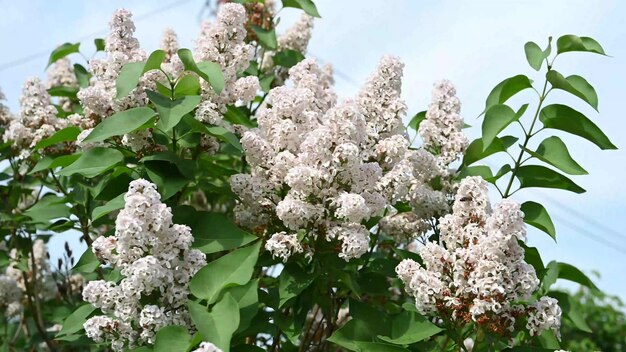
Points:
x=34, y=56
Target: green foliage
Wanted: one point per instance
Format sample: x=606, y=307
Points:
x=306, y=5
x=234, y=268
x=94, y=162
x=131, y=73
x=123, y=122
x=209, y=71
x=606, y=319
x=62, y=51
x=536, y=215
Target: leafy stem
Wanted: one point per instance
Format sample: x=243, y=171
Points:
x=527, y=136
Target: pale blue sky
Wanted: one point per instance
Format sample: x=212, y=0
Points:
x=475, y=44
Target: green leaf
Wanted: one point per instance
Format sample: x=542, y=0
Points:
x=572, y=273
x=348, y=335
x=233, y=268
x=542, y=177
x=53, y=163
x=209, y=71
x=219, y=325
x=536, y=215
x=49, y=207
x=87, y=263
x=506, y=89
x=306, y=5
x=63, y=91
x=94, y=162
x=378, y=347
x=287, y=58
x=247, y=297
x=239, y=116
x=534, y=55
x=213, y=72
x=65, y=135
x=186, y=166
x=571, y=310
x=292, y=281
x=550, y=276
x=267, y=38
x=172, y=111
x=225, y=135
x=497, y=118
x=212, y=232
x=100, y=44
x=532, y=257
x=128, y=78
x=112, y=205
x=130, y=74
x=172, y=338
x=377, y=322
x=554, y=152
x=82, y=75
x=168, y=179
x=187, y=85
x=572, y=42
x=266, y=83
x=575, y=85
x=479, y=170
x=410, y=327
x=417, y=120
x=548, y=49
x=564, y=118
x=74, y=322
x=121, y=123
x=476, y=151
x=62, y=51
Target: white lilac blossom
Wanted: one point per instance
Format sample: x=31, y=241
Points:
x=39, y=275
x=477, y=272
x=10, y=296
x=297, y=36
x=37, y=118
x=5, y=114
x=545, y=314
x=61, y=74
x=316, y=165
x=172, y=65
x=99, y=98
x=121, y=48
x=223, y=42
x=155, y=259
x=207, y=347
x=441, y=131
x=283, y=246
x=411, y=180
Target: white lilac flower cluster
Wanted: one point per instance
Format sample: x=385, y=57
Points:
x=441, y=131
x=121, y=47
x=39, y=275
x=61, y=74
x=223, y=42
x=99, y=98
x=444, y=143
x=318, y=167
x=10, y=296
x=5, y=114
x=155, y=259
x=477, y=272
x=207, y=347
x=37, y=118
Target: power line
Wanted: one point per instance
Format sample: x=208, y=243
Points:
x=34, y=56
x=593, y=236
